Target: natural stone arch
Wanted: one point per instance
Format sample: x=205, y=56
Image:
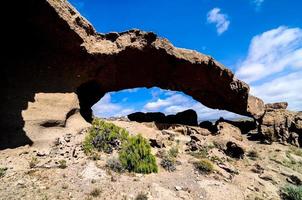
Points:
x=60, y=52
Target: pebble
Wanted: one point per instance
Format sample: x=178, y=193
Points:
x=178, y=188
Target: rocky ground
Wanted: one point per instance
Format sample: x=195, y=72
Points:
x=63, y=171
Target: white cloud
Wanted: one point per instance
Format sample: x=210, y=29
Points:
x=214, y=16
x=258, y=2
x=105, y=108
x=179, y=102
x=273, y=66
x=285, y=88
x=272, y=52
x=160, y=103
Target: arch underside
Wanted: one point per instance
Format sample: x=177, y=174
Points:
x=58, y=51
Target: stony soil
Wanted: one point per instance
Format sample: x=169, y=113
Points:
x=40, y=173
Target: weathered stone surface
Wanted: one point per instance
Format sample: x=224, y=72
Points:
x=56, y=50
x=281, y=125
x=279, y=105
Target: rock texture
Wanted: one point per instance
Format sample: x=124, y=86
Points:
x=51, y=48
x=279, y=124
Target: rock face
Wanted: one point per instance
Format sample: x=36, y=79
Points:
x=279, y=124
x=51, y=48
x=187, y=117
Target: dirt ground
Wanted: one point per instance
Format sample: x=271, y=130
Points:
x=63, y=171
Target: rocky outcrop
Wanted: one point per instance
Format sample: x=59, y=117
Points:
x=274, y=106
x=279, y=124
x=187, y=117
x=157, y=117
x=56, y=50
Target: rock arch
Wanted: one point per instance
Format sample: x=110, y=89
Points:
x=58, y=51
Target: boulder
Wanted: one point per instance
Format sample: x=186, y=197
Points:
x=208, y=125
x=230, y=140
x=187, y=117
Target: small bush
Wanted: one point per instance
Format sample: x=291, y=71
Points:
x=295, y=150
x=292, y=193
x=141, y=196
x=168, y=163
x=253, y=154
x=33, y=162
x=103, y=136
x=201, y=153
x=62, y=164
x=136, y=156
x=204, y=166
x=173, y=152
x=2, y=171
x=95, y=192
x=115, y=165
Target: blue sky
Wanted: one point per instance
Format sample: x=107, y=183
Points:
x=259, y=40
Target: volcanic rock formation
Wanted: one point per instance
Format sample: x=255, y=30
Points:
x=51, y=48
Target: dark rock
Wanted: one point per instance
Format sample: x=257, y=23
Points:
x=294, y=180
x=187, y=117
x=234, y=151
x=147, y=117
x=156, y=143
x=208, y=125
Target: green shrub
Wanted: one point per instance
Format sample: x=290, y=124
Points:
x=292, y=193
x=141, y=196
x=95, y=192
x=136, y=156
x=103, y=136
x=33, y=162
x=2, y=171
x=62, y=164
x=204, y=166
x=253, y=155
x=173, y=152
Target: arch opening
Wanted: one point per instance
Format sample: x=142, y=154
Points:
x=153, y=100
